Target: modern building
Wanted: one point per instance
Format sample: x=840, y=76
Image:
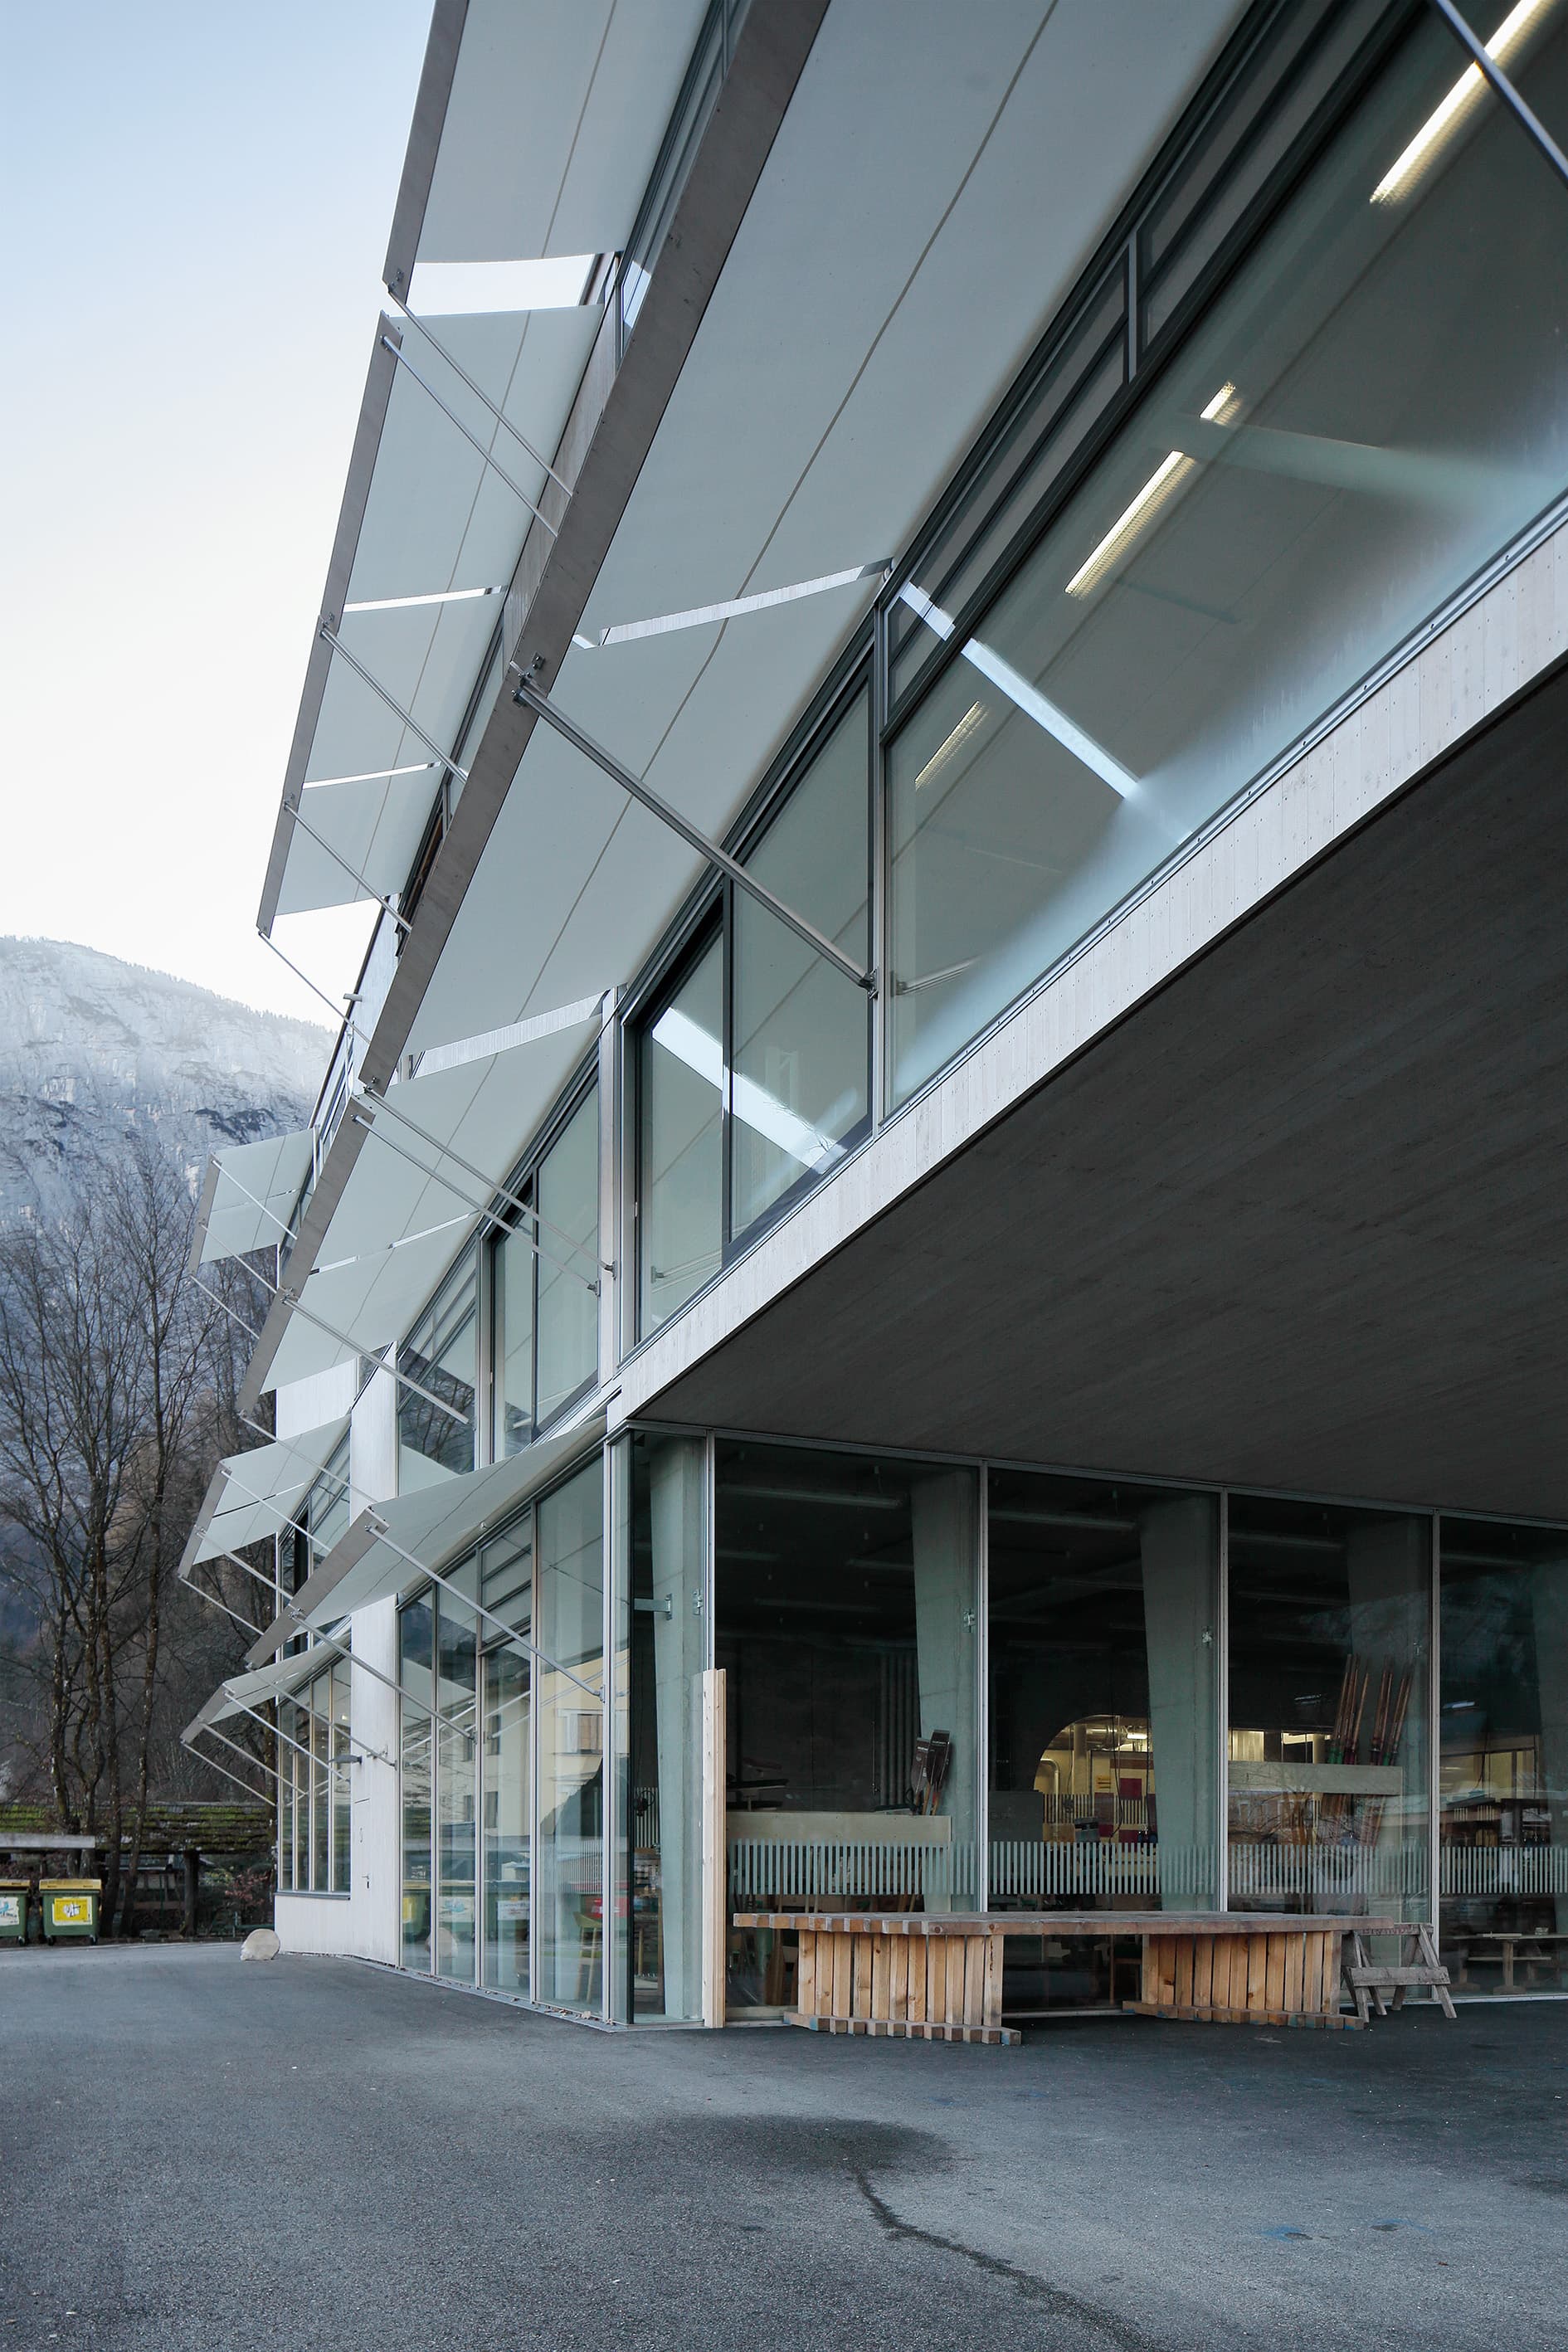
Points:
x=930, y=1267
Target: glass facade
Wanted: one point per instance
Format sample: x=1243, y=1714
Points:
x=681, y=1137
x=416, y=1652
x=456, y=1781
x=1502, y=1779
x=569, y=1841
x=314, y=1811
x=1366, y=411
x=668, y=1637
x=506, y=1588
x=1329, y=1716
x=544, y=1328
x=436, y=1429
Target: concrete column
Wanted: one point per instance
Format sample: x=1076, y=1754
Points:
x=1180, y=1546
x=944, y=1521
x=676, y=1499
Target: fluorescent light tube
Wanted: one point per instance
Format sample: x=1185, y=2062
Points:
x=1445, y=119
x=1152, y=499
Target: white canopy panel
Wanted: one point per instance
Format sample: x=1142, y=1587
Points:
x=552, y=127
x=435, y=1527
x=484, y=1110
x=432, y=517
x=893, y=266
x=254, y=1495
x=242, y=1693
x=249, y=1196
x=361, y=1307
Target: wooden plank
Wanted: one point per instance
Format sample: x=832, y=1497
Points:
x=1168, y=1967
x=1295, y=1953
x=1256, y=1972
x=1183, y=1987
x=994, y=1954
x=975, y=1950
x=1313, y=1972
x=881, y=1973
x=1274, y=1975
x=805, y=1973
x=860, y=1989
x=1203, y=1973
x=918, y=1982
x=936, y=1982
x=898, y=1978
x=843, y=1963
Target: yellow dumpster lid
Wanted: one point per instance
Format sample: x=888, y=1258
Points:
x=70, y=1885
x=11, y=1884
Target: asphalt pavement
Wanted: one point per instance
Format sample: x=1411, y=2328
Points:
x=201, y=2154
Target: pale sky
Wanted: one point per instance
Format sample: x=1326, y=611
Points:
x=197, y=196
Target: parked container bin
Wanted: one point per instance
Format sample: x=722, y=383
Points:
x=13, y=1910
x=69, y=1908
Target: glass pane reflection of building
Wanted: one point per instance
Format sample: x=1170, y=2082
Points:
x=1328, y=1722
x=845, y=1617
x=1503, y=1759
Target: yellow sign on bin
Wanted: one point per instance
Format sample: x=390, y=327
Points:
x=70, y=1910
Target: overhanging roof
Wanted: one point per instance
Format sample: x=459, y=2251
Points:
x=423, y=516
x=536, y=128
x=437, y=1525
x=253, y=1496
x=895, y=263
x=249, y=1195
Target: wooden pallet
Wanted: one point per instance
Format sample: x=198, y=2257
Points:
x=1370, y=1983
x=1284, y=1976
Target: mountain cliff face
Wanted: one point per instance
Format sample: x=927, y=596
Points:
x=91, y=1048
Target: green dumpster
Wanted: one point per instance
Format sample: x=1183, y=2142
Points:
x=13, y=1910
x=70, y=1908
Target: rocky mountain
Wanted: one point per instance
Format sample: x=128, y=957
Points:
x=91, y=1048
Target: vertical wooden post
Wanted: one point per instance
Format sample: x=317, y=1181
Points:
x=715, y=1848
x=192, y=1878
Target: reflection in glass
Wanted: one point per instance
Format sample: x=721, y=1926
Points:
x=338, y=1687
x=435, y=1430
x=319, y=1702
x=845, y=1617
x=680, y=1095
x=568, y=1195
x=1103, y=1730
x=801, y=1030
x=416, y=1637
x=457, y=1757
x=569, y=1861
x=1328, y=1708
x=1364, y=417
x=507, y=1592
x=512, y=1293
x=285, y=1798
x=669, y=1652
x=1503, y=1762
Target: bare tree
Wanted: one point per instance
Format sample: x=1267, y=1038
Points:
x=117, y=1385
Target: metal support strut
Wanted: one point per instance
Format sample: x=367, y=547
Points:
x=473, y=441
x=480, y=1208
x=541, y=704
x=258, y=1796
x=330, y=637
x=379, y=1526
x=483, y=397
x=1506, y=90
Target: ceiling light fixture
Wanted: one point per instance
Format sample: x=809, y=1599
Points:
x=972, y=717
x=1152, y=499
x=1447, y=120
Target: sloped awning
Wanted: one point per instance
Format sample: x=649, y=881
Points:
x=254, y=1495
x=408, y=1207
x=429, y=538
x=249, y=1196
x=387, y=1550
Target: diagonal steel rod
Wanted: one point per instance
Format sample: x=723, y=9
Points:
x=388, y=1102
x=463, y=1419
x=259, y=1796
x=479, y=1208
x=349, y=996
x=214, y=1603
x=330, y=637
x=479, y=394
x=380, y=897
x=471, y=438
x=530, y=698
x=1506, y=90
x=521, y=1640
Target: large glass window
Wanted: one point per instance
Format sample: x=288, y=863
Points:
x=436, y=1429
x=506, y=1764
x=801, y=1034
x=845, y=1618
x=415, y=1639
x=1363, y=417
x=1104, y=1726
x=544, y=1310
x=1329, y=1716
x=336, y=1691
x=739, y=1109
x=1503, y=1763
x=569, y=1856
x=669, y=1652
x=680, y=1103
x=457, y=1782
x=568, y=1309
